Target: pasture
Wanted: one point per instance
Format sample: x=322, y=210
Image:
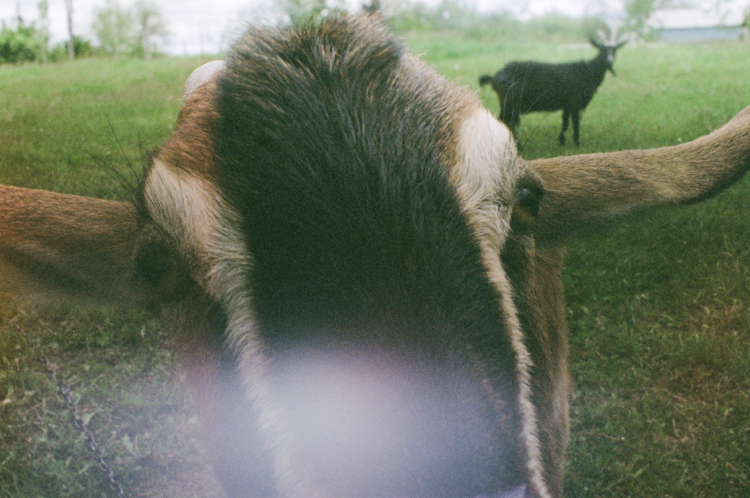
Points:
x=659, y=308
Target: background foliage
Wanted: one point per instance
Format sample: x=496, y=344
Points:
x=137, y=29
x=118, y=31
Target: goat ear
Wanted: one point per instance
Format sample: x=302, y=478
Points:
x=74, y=245
x=586, y=192
x=596, y=43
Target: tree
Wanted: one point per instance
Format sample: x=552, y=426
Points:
x=373, y=6
x=81, y=48
x=149, y=25
x=302, y=10
x=43, y=29
x=71, y=37
x=114, y=28
x=20, y=44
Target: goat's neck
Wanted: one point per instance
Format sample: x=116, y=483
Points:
x=597, y=68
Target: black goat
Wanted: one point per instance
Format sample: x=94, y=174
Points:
x=528, y=86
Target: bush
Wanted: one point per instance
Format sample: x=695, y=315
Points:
x=81, y=48
x=463, y=17
x=19, y=45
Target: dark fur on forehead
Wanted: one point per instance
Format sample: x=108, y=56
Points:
x=320, y=86
x=335, y=148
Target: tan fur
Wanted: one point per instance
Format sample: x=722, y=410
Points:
x=486, y=193
x=584, y=192
x=191, y=147
x=538, y=289
x=69, y=243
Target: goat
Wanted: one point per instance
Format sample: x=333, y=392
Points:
x=364, y=272
x=529, y=86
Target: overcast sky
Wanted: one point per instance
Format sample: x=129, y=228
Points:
x=199, y=26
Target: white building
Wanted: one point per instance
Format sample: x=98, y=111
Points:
x=693, y=25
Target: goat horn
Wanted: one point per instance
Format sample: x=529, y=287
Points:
x=201, y=76
x=613, y=36
x=585, y=192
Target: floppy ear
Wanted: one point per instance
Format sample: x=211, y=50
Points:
x=71, y=244
x=585, y=192
x=76, y=245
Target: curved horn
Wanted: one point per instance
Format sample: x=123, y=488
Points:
x=595, y=42
x=201, y=76
x=583, y=193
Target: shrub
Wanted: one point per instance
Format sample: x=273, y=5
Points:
x=19, y=45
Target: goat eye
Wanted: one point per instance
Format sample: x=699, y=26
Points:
x=154, y=264
x=528, y=199
x=162, y=271
x=526, y=209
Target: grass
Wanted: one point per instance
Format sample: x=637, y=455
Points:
x=658, y=308
x=84, y=128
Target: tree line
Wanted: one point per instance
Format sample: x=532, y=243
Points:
x=118, y=30
x=136, y=30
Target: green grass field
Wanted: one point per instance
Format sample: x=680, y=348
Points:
x=659, y=308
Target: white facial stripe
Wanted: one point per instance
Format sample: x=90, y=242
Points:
x=524, y=364
x=485, y=180
x=485, y=175
x=187, y=208
x=190, y=209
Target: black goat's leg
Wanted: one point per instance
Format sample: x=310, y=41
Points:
x=565, y=119
x=507, y=113
x=576, y=127
x=504, y=115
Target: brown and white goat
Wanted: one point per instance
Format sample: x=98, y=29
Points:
x=365, y=273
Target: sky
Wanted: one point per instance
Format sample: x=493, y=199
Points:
x=201, y=26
